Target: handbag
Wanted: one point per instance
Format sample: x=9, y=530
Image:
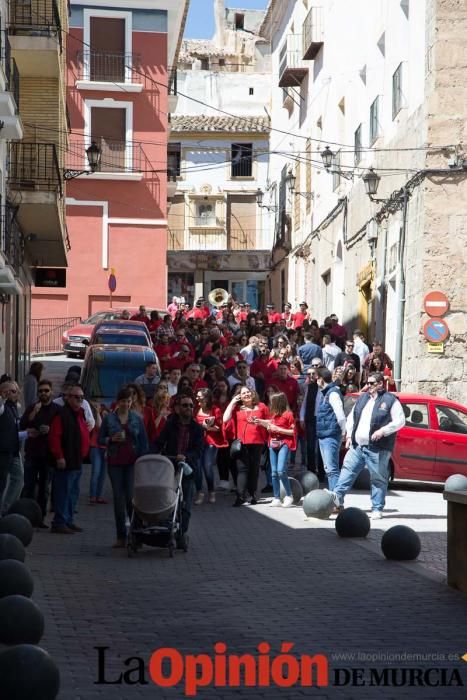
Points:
x=236, y=448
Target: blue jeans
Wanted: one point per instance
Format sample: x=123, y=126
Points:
x=122, y=479
x=98, y=472
x=15, y=484
x=75, y=489
x=329, y=447
x=278, y=459
x=65, y=484
x=378, y=466
x=206, y=467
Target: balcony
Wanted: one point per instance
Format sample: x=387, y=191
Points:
x=12, y=249
x=171, y=183
x=313, y=33
x=9, y=92
x=35, y=31
x=173, y=94
x=292, y=68
x=120, y=160
x=35, y=178
x=212, y=239
x=103, y=70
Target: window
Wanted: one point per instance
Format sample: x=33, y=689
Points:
x=251, y=91
x=222, y=63
x=108, y=130
x=205, y=214
x=357, y=140
x=107, y=55
x=283, y=294
x=451, y=420
x=242, y=160
x=397, y=100
x=174, y=155
x=204, y=64
x=336, y=164
x=375, y=129
x=239, y=21
x=416, y=415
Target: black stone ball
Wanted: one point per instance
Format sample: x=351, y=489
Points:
x=309, y=482
x=296, y=489
x=29, y=508
x=21, y=621
x=19, y=526
x=401, y=543
x=28, y=673
x=11, y=547
x=456, y=482
x=352, y=522
x=363, y=481
x=15, y=579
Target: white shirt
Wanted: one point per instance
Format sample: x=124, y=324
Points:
x=361, y=349
x=330, y=352
x=362, y=435
x=335, y=402
x=250, y=382
x=172, y=388
x=248, y=354
x=89, y=418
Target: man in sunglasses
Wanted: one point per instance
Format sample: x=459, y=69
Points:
x=39, y=462
x=69, y=443
x=371, y=434
x=11, y=467
x=182, y=439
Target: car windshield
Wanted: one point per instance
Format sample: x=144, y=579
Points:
x=101, y=316
x=120, y=339
x=107, y=380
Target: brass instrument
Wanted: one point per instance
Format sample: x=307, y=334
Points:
x=218, y=296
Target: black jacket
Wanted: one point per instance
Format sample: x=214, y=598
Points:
x=167, y=441
x=9, y=425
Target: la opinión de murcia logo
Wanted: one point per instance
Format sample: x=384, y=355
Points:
x=168, y=668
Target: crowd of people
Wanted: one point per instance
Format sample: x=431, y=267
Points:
x=234, y=391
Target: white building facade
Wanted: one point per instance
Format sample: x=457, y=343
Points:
x=218, y=159
x=373, y=82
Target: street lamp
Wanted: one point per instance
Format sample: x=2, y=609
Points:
x=371, y=180
x=93, y=154
x=328, y=157
x=291, y=180
x=259, y=201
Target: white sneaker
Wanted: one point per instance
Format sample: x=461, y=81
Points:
x=376, y=515
x=212, y=497
x=199, y=498
x=334, y=496
x=288, y=501
x=275, y=502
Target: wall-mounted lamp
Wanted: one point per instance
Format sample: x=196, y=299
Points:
x=328, y=157
x=93, y=154
x=259, y=202
x=291, y=180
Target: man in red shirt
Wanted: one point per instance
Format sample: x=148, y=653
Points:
x=180, y=341
x=193, y=372
x=163, y=351
x=199, y=310
x=285, y=383
x=301, y=315
x=287, y=316
x=142, y=315
x=273, y=315
x=338, y=331
x=263, y=366
x=180, y=360
x=69, y=444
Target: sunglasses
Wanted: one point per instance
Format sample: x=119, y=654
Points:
x=372, y=382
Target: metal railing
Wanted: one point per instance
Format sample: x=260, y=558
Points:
x=313, y=33
x=12, y=238
x=116, y=156
x=108, y=67
x=34, y=166
x=291, y=61
x=35, y=18
x=46, y=333
x=212, y=239
x=10, y=68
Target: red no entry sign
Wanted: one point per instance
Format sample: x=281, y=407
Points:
x=435, y=330
x=436, y=303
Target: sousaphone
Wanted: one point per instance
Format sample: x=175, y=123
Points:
x=218, y=296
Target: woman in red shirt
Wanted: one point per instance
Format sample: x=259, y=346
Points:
x=243, y=409
x=281, y=440
x=209, y=418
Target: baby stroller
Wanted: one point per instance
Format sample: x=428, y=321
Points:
x=157, y=503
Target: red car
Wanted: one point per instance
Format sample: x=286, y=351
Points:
x=433, y=443
x=72, y=338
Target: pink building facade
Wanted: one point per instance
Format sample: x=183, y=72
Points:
x=119, y=58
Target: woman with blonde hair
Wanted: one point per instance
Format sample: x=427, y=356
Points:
x=160, y=410
x=281, y=429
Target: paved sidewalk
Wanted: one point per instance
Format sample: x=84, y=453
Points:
x=251, y=575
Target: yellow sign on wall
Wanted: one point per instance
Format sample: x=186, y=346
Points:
x=435, y=348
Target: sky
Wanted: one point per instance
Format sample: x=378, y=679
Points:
x=200, y=23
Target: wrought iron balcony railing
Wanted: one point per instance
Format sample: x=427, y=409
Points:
x=9, y=68
x=292, y=67
x=34, y=166
x=213, y=239
x=116, y=156
x=12, y=238
x=108, y=67
x=313, y=33
x=35, y=18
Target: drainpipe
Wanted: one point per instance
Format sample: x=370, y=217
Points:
x=401, y=297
